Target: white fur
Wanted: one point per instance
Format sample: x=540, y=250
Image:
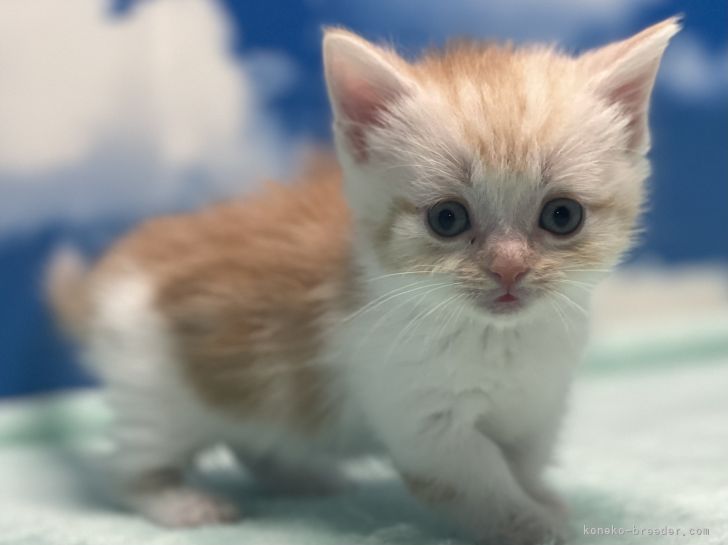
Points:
x=161, y=425
x=442, y=399
x=471, y=404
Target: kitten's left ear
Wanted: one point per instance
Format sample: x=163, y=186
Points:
x=624, y=72
x=363, y=81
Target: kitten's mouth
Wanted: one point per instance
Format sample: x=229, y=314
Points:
x=506, y=298
x=503, y=303
x=506, y=303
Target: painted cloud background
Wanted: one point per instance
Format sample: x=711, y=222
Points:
x=112, y=111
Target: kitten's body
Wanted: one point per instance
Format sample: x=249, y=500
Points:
x=322, y=320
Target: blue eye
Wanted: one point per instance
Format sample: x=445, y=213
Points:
x=561, y=216
x=448, y=219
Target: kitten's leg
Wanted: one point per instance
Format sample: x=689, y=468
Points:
x=465, y=475
x=148, y=469
x=163, y=497
x=528, y=460
x=315, y=476
x=157, y=428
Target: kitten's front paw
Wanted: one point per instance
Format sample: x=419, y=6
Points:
x=549, y=499
x=186, y=507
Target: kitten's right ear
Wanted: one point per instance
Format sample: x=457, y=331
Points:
x=363, y=80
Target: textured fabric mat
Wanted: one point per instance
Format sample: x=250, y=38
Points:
x=643, y=450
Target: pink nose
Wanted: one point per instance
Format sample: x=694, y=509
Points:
x=508, y=271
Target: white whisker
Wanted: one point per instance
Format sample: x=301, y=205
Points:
x=388, y=296
x=571, y=302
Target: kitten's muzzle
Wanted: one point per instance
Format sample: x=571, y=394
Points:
x=509, y=262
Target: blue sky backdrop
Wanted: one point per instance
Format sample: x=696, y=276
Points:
x=113, y=111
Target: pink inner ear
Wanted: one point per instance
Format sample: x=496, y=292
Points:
x=634, y=98
x=361, y=104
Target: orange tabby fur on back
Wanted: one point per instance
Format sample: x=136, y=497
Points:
x=245, y=287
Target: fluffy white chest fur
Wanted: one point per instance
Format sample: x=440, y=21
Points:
x=415, y=361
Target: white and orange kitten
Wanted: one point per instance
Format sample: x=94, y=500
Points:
x=428, y=304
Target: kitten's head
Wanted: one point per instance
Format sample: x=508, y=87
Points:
x=515, y=173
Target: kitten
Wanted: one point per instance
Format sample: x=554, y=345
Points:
x=431, y=306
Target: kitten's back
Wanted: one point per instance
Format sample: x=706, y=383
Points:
x=244, y=289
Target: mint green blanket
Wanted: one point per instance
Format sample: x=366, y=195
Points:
x=645, y=450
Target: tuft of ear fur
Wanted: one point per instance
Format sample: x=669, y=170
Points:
x=624, y=73
x=362, y=80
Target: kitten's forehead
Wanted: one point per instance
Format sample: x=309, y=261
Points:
x=512, y=109
x=505, y=125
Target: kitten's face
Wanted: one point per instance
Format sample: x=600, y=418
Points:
x=515, y=175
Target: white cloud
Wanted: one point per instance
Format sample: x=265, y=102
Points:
x=693, y=72
x=111, y=115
